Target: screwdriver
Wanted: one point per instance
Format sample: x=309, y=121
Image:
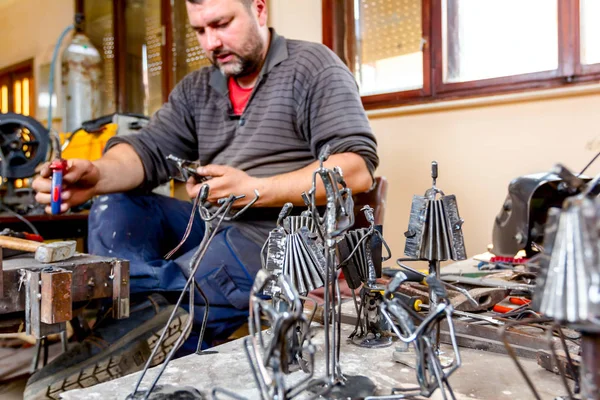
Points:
x=413, y=276
x=413, y=303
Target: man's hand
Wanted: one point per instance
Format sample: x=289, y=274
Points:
x=224, y=181
x=79, y=184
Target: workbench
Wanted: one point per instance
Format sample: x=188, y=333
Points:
x=43, y=295
x=483, y=375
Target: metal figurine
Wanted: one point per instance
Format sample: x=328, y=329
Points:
x=337, y=218
x=213, y=221
x=290, y=343
x=434, y=231
x=431, y=375
x=361, y=251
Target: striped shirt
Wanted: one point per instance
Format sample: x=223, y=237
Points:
x=304, y=98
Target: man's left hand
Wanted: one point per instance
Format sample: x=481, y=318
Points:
x=224, y=181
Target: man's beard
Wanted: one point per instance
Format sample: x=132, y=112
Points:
x=240, y=65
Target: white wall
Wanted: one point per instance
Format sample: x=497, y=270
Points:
x=30, y=28
x=297, y=19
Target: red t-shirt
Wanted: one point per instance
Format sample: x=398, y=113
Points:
x=239, y=96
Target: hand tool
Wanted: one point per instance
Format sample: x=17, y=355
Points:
x=187, y=169
x=485, y=318
x=44, y=252
x=21, y=235
x=499, y=308
x=414, y=303
x=487, y=282
x=58, y=168
x=5, y=253
x=443, y=282
x=411, y=276
x=519, y=301
x=485, y=297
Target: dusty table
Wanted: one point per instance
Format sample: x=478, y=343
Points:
x=46, y=292
x=482, y=376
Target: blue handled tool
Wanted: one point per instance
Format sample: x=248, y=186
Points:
x=58, y=168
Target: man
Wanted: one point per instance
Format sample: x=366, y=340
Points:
x=257, y=120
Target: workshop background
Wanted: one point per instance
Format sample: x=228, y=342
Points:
x=480, y=142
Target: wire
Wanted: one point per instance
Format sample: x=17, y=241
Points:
x=20, y=217
x=588, y=164
x=52, y=73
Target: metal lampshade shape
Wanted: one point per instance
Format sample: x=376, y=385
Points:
x=569, y=290
x=435, y=227
x=294, y=250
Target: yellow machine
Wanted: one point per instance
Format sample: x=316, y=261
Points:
x=86, y=145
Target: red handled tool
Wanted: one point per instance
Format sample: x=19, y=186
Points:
x=520, y=301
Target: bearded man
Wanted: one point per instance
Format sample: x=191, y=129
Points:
x=257, y=119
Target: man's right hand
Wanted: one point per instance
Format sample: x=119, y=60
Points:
x=79, y=184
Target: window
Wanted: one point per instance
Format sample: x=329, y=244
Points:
x=478, y=45
x=17, y=89
x=590, y=32
x=144, y=56
x=147, y=46
x=388, y=45
x=99, y=27
x=409, y=51
x=188, y=56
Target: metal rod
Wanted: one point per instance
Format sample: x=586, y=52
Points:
x=590, y=366
x=561, y=372
x=201, y=252
x=513, y=355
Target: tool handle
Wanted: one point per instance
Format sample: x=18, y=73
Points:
x=411, y=276
x=56, y=191
x=12, y=243
x=58, y=168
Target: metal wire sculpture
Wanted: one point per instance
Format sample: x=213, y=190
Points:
x=431, y=375
x=213, y=221
x=361, y=252
x=330, y=227
x=289, y=345
x=434, y=232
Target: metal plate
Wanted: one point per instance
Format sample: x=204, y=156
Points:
x=56, y=305
x=458, y=241
x=414, y=235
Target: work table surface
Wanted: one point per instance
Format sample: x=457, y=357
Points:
x=483, y=375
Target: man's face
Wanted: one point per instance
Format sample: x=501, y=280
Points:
x=228, y=31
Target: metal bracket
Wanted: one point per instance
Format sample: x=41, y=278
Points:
x=33, y=301
x=120, y=289
x=56, y=304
